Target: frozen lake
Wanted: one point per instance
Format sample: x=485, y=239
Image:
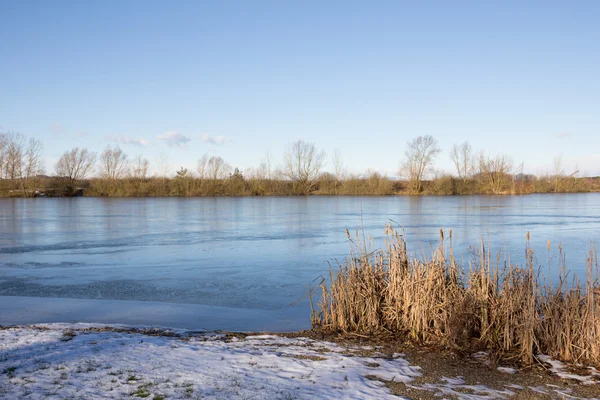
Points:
x=238, y=263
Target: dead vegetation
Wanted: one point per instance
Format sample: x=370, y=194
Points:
x=511, y=311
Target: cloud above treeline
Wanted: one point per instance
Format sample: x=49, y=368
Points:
x=122, y=139
x=219, y=140
x=174, y=139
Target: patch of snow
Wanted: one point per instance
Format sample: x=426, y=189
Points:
x=507, y=370
x=456, y=387
x=514, y=386
x=563, y=392
x=46, y=363
x=559, y=369
x=539, y=389
x=454, y=381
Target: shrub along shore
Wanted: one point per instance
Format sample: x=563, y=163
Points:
x=237, y=185
x=511, y=311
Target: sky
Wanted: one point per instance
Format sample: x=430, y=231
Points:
x=238, y=79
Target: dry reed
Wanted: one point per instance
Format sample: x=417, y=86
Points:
x=490, y=304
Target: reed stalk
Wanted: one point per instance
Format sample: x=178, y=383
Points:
x=489, y=304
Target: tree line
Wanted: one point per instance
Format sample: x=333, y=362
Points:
x=302, y=172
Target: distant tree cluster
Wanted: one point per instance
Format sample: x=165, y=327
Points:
x=21, y=163
x=75, y=165
x=114, y=173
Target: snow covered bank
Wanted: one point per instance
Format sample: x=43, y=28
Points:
x=85, y=361
x=63, y=362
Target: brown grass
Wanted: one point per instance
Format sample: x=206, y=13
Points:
x=369, y=184
x=489, y=304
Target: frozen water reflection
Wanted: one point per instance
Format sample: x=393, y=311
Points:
x=252, y=255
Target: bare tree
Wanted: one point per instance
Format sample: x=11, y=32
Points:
x=303, y=164
x=259, y=173
x=462, y=157
x=140, y=168
x=496, y=170
x=21, y=162
x=3, y=151
x=267, y=166
x=75, y=165
x=558, y=172
x=14, y=154
x=217, y=168
x=518, y=176
x=113, y=163
x=201, y=167
x=264, y=172
x=419, y=157
x=163, y=167
x=338, y=168
x=32, y=167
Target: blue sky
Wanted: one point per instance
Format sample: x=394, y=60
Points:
x=240, y=78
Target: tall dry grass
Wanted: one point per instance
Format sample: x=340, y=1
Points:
x=489, y=304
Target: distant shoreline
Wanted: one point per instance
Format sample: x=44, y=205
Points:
x=85, y=193
x=237, y=185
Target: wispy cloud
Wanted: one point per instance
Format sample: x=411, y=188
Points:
x=122, y=139
x=174, y=139
x=563, y=135
x=219, y=140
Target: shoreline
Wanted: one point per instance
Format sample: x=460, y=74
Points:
x=92, y=360
x=24, y=310
x=217, y=196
